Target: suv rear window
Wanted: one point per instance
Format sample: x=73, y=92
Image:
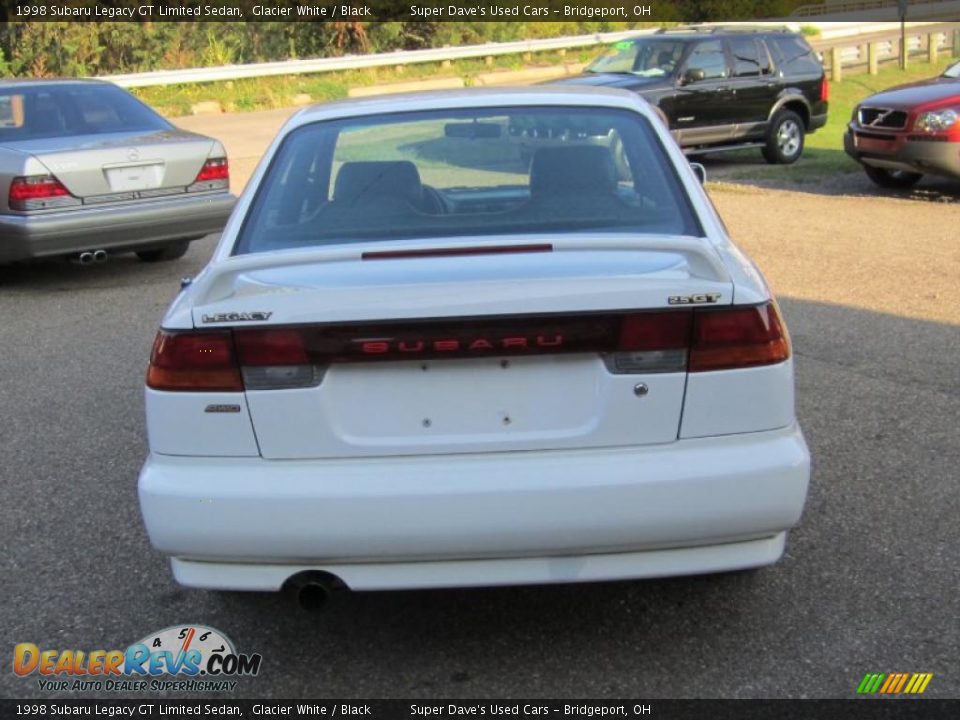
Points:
x=42, y=111
x=794, y=57
x=501, y=171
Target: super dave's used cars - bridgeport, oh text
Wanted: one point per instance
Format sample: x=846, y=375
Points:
x=418, y=359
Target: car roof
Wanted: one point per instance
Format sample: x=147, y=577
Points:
x=535, y=96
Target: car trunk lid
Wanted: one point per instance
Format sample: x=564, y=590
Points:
x=121, y=166
x=565, y=344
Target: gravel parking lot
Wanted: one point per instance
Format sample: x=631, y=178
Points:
x=869, y=583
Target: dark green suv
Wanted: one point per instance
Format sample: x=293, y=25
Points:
x=722, y=88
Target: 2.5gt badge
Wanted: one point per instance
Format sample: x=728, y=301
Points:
x=698, y=299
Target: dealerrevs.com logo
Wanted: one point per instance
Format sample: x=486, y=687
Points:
x=197, y=657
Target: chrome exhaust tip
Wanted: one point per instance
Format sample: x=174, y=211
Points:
x=100, y=256
x=84, y=258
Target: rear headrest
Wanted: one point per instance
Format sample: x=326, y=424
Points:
x=572, y=171
x=374, y=180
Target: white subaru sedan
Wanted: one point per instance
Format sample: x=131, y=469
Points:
x=424, y=356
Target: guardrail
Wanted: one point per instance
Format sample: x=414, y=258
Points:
x=845, y=6
x=852, y=51
x=356, y=62
x=929, y=40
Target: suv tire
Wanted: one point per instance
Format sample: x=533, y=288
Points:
x=784, y=138
x=894, y=179
x=173, y=251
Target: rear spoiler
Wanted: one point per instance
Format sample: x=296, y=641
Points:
x=216, y=281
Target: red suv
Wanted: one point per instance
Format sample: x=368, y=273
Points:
x=905, y=132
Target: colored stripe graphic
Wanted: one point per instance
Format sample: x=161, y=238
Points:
x=891, y=681
x=870, y=683
x=901, y=683
x=894, y=683
x=927, y=677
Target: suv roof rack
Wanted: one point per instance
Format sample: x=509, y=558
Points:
x=710, y=29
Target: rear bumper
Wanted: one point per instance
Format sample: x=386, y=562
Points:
x=817, y=122
x=117, y=227
x=486, y=573
x=691, y=506
x=900, y=153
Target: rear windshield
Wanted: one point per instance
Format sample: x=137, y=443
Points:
x=467, y=172
x=47, y=111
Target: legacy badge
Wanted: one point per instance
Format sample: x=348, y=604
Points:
x=237, y=317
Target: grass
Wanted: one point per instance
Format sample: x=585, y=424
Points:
x=823, y=155
x=276, y=92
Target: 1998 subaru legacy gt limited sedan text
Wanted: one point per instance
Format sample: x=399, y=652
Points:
x=86, y=169
x=415, y=361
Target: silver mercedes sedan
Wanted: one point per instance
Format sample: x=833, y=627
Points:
x=87, y=170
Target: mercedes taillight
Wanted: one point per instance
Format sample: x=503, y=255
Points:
x=214, y=175
x=39, y=192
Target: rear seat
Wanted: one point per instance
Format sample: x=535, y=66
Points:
x=382, y=184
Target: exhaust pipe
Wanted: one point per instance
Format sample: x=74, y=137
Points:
x=314, y=590
x=100, y=256
x=84, y=258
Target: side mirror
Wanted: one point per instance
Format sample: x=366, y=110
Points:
x=700, y=171
x=693, y=75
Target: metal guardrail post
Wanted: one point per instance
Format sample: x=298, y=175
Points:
x=873, y=58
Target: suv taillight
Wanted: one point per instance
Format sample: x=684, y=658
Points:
x=630, y=343
x=39, y=192
x=214, y=175
x=824, y=89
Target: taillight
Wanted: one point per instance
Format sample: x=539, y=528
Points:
x=655, y=331
x=39, y=192
x=737, y=337
x=276, y=360
x=214, y=175
x=199, y=362
x=456, y=251
x=629, y=343
x=651, y=342
x=824, y=89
